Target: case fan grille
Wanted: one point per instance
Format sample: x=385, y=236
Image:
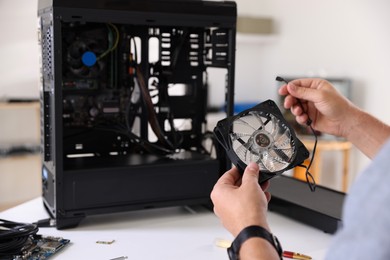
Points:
x=264, y=139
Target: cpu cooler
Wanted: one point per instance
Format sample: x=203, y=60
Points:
x=262, y=135
x=81, y=57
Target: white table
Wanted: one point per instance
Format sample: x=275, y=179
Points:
x=175, y=233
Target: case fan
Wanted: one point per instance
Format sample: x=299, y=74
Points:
x=262, y=135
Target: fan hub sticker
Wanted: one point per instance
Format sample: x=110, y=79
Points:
x=262, y=140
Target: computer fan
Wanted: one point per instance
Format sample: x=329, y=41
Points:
x=82, y=58
x=262, y=135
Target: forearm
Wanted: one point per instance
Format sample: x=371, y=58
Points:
x=259, y=249
x=366, y=132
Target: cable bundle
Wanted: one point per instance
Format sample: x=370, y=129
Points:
x=13, y=237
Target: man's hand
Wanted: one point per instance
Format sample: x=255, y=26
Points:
x=241, y=202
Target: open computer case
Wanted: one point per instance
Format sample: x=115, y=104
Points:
x=124, y=100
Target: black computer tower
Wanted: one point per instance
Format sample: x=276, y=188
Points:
x=124, y=101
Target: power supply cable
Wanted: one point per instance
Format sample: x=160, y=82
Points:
x=152, y=117
x=136, y=140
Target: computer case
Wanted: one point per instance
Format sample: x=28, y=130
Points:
x=124, y=102
x=321, y=209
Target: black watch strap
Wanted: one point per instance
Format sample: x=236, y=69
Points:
x=253, y=231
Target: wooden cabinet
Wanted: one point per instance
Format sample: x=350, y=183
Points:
x=20, y=179
x=20, y=173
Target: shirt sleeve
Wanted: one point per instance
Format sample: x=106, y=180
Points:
x=365, y=233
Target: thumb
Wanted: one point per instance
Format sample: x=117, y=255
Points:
x=251, y=173
x=304, y=93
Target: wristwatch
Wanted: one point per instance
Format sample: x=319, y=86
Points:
x=253, y=231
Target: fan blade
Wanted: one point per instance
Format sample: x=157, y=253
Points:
x=253, y=157
x=275, y=126
x=267, y=162
x=283, y=140
x=281, y=154
x=241, y=152
x=259, y=119
x=76, y=49
x=239, y=121
x=240, y=135
x=246, y=151
x=261, y=164
x=235, y=137
x=272, y=162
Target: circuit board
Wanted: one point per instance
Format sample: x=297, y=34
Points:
x=42, y=247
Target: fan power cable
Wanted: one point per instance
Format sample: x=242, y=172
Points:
x=309, y=177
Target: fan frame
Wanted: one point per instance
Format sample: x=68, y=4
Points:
x=223, y=129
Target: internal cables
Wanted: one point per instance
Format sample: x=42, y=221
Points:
x=14, y=236
x=309, y=177
x=147, y=98
x=113, y=45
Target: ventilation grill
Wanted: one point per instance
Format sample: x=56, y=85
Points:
x=47, y=56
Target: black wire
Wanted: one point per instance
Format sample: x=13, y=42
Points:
x=309, y=177
x=145, y=144
x=14, y=236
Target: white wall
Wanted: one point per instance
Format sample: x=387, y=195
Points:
x=349, y=38
x=19, y=64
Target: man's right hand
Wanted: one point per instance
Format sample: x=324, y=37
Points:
x=319, y=101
